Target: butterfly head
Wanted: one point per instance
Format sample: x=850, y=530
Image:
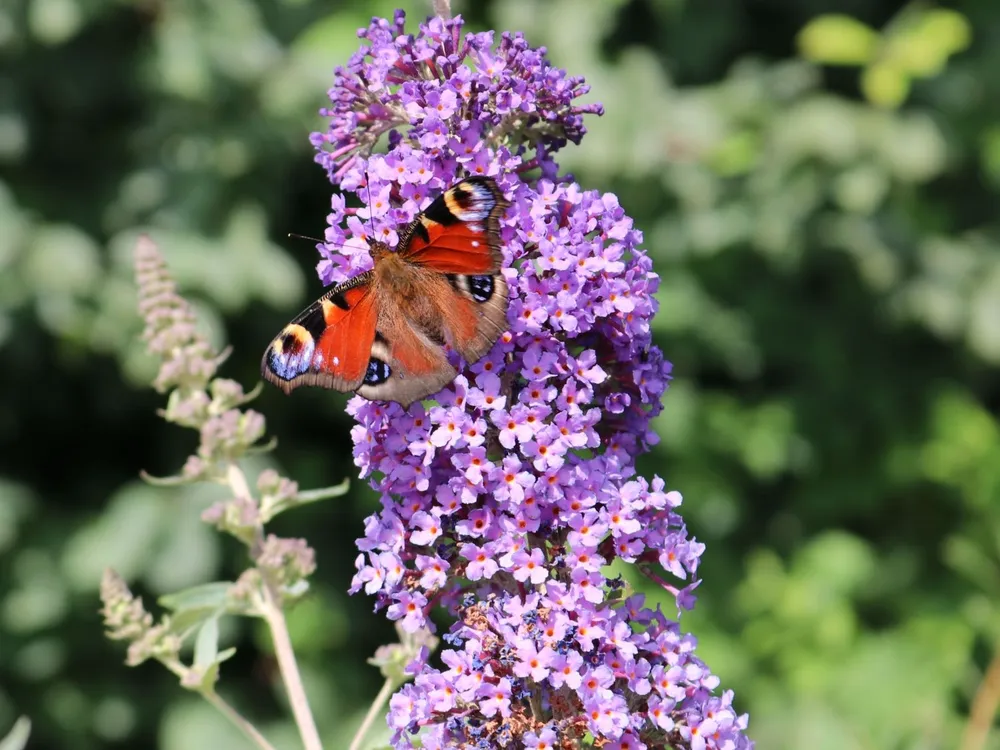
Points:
x=377, y=249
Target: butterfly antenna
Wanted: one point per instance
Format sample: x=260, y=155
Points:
x=318, y=241
x=371, y=217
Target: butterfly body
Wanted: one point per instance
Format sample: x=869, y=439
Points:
x=386, y=332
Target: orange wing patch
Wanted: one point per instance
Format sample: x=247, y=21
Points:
x=458, y=248
x=327, y=344
x=345, y=345
x=459, y=232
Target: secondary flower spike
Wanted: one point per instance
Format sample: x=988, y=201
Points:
x=504, y=501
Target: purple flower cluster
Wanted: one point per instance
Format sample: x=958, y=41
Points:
x=503, y=502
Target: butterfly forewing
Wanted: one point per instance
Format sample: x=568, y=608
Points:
x=329, y=343
x=460, y=231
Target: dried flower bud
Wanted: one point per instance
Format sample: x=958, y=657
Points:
x=276, y=493
x=126, y=619
x=286, y=562
x=124, y=616
x=156, y=643
x=187, y=359
x=238, y=516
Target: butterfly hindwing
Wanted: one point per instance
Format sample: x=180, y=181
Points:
x=327, y=344
x=409, y=365
x=477, y=313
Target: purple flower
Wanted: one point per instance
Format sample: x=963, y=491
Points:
x=495, y=698
x=532, y=661
x=428, y=528
x=481, y=563
x=504, y=501
x=544, y=740
x=530, y=566
x=408, y=607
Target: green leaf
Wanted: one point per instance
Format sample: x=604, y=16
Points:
x=55, y=21
x=990, y=154
x=925, y=41
x=885, y=84
x=311, y=496
x=836, y=39
x=206, y=647
x=124, y=537
x=192, y=607
x=17, y=737
x=188, y=620
x=969, y=559
x=206, y=595
x=736, y=154
x=272, y=506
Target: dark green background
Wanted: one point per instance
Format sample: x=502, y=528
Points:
x=830, y=300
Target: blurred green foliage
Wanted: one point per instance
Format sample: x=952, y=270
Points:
x=818, y=183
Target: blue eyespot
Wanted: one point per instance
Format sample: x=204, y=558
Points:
x=378, y=372
x=289, y=356
x=481, y=288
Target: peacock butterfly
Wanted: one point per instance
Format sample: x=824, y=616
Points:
x=385, y=332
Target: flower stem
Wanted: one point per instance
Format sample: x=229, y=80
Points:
x=373, y=711
x=289, y=669
x=644, y=569
x=275, y=618
x=535, y=701
x=984, y=707
x=442, y=8
x=237, y=719
x=234, y=716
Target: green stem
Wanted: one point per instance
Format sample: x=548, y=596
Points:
x=984, y=707
x=289, y=668
x=535, y=701
x=236, y=718
x=219, y=702
x=283, y=651
x=373, y=711
x=442, y=8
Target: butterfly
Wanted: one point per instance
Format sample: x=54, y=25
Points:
x=385, y=333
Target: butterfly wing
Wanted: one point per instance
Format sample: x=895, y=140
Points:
x=458, y=236
x=329, y=343
x=408, y=360
x=408, y=366
x=360, y=337
x=459, y=232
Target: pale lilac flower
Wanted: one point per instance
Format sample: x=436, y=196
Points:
x=495, y=698
x=532, y=661
x=428, y=529
x=530, y=566
x=409, y=608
